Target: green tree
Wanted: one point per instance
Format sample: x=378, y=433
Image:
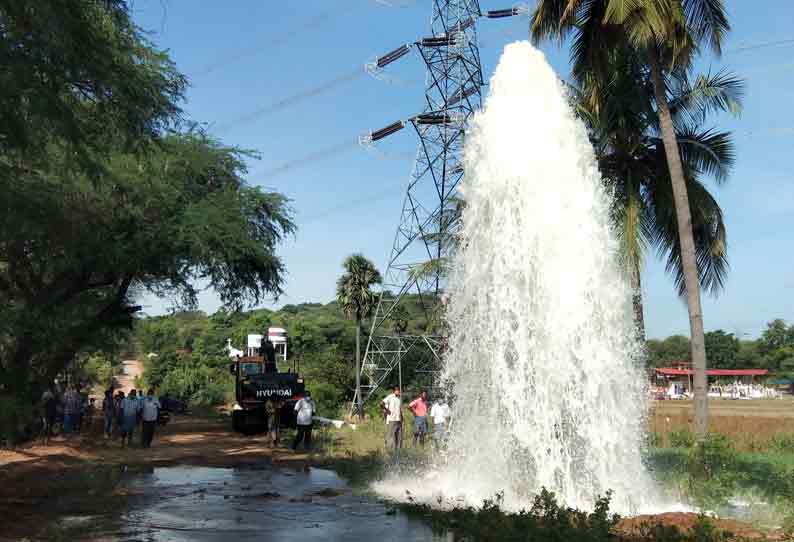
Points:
x=75, y=71
x=722, y=349
x=776, y=335
x=356, y=299
x=662, y=353
x=75, y=254
x=624, y=130
x=666, y=34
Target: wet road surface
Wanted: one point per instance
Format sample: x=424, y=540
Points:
x=179, y=504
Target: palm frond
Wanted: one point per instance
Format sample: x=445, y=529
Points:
x=709, y=232
x=708, y=152
x=353, y=293
x=547, y=21
x=690, y=104
x=708, y=22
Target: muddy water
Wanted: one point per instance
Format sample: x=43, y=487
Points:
x=178, y=504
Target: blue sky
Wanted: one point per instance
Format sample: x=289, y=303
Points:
x=286, y=80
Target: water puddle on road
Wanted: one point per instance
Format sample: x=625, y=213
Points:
x=178, y=504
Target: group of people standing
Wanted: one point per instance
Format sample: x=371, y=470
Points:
x=122, y=414
x=76, y=407
x=392, y=410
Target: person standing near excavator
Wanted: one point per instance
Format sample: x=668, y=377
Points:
x=269, y=354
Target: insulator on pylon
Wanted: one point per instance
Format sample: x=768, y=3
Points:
x=499, y=13
x=391, y=56
x=433, y=118
x=521, y=9
x=458, y=96
x=438, y=41
x=387, y=131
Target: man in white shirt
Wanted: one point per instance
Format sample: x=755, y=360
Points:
x=391, y=407
x=440, y=414
x=305, y=410
x=151, y=409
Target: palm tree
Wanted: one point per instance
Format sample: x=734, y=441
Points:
x=357, y=301
x=624, y=130
x=666, y=34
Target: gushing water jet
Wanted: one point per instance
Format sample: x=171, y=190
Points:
x=542, y=359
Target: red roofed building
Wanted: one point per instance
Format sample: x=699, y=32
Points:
x=676, y=381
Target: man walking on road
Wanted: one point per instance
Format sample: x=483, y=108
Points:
x=72, y=405
x=391, y=407
x=305, y=409
x=130, y=408
x=151, y=409
x=50, y=413
x=108, y=412
x=419, y=409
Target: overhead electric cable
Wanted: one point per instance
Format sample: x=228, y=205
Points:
x=322, y=88
x=293, y=99
x=283, y=37
x=761, y=45
x=314, y=156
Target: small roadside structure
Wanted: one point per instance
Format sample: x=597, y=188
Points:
x=676, y=383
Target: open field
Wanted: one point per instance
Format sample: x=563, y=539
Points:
x=750, y=424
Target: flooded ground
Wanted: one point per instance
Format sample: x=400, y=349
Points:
x=220, y=504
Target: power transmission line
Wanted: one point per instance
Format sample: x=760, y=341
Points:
x=320, y=154
x=293, y=99
x=324, y=87
x=761, y=45
x=283, y=37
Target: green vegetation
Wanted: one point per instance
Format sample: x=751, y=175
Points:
x=774, y=350
x=356, y=299
x=624, y=130
x=663, y=38
x=106, y=193
x=710, y=471
x=190, y=348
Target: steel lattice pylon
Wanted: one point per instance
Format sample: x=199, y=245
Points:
x=452, y=94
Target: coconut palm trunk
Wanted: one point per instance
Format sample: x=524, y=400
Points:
x=687, y=240
x=358, y=368
x=639, y=315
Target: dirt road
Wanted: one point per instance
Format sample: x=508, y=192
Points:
x=131, y=368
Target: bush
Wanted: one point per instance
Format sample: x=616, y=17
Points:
x=653, y=440
x=781, y=443
x=15, y=419
x=712, y=470
x=199, y=380
x=546, y=520
x=327, y=397
x=682, y=438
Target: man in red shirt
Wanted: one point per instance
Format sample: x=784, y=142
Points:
x=419, y=409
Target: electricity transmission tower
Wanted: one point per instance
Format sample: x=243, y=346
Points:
x=429, y=216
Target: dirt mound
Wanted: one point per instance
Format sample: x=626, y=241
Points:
x=639, y=527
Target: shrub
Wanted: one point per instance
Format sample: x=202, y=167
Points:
x=712, y=472
x=546, y=520
x=653, y=439
x=327, y=397
x=682, y=438
x=15, y=419
x=781, y=442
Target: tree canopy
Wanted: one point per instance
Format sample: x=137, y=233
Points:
x=105, y=193
x=76, y=71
